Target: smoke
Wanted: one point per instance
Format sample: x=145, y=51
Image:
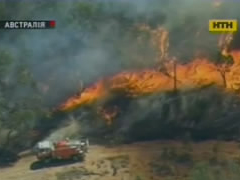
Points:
x=94, y=39
x=68, y=129
x=174, y=115
x=74, y=53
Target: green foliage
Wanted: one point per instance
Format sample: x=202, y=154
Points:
x=213, y=160
x=184, y=158
x=20, y=102
x=228, y=60
x=203, y=171
x=220, y=59
x=118, y=162
x=168, y=154
x=187, y=142
x=215, y=157
x=138, y=178
x=216, y=148
x=162, y=169
x=5, y=62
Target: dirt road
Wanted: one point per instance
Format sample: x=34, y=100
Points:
x=100, y=163
x=125, y=162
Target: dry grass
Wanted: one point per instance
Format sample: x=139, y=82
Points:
x=169, y=160
x=75, y=173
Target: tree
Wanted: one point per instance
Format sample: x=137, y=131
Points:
x=225, y=60
x=223, y=64
x=20, y=102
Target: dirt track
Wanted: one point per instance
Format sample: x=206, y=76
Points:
x=98, y=163
x=124, y=162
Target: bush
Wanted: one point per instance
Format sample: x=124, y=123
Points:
x=7, y=157
x=213, y=160
x=168, y=154
x=73, y=173
x=187, y=146
x=204, y=171
x=216, y=148
x=138, y=178
x=185, y=158
x=162, y=169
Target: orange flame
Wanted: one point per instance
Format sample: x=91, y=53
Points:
x=108, y=113
x=196, y=74
x=88, y=96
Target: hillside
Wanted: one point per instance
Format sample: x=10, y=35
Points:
x=118, y=72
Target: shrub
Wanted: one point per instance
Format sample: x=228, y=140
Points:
x=213, y=160
x=185, y=158
x=203, y=171
x=216, y=148
x=168, y=154
x=138, y=178
x=73, y=173
x=162, y=169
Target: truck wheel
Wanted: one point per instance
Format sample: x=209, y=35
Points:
x=36, y=165
x=81, y=157
x=75, y=158
x=78, y=158
x=46, y=161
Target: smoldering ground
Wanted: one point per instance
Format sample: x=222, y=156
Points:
x=93, y=39
x=201, y=114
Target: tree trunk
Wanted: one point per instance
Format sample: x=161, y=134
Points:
x=174, y=76
x=222, y=71
x=8, y=138
x=224, y=79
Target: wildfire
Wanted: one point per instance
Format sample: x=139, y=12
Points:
x=224, y=43
x=159, y=39
x=108, y=113
x=236, y=56
x=88, y=96
x=197, y=74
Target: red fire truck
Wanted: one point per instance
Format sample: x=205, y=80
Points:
x=47, y=151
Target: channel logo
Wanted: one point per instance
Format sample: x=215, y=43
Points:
x=223, y=25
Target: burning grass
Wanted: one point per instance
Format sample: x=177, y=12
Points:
x=171, y=76
x=195, y=75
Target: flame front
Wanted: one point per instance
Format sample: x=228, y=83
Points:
x=88, y=96
x=108, y=113
x=173, y=76
x=197, y=74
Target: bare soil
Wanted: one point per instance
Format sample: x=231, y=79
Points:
x=136, y=161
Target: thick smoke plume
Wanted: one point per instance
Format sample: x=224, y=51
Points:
x=71, y=56
x=86, y=46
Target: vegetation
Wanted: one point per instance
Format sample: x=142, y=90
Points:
x=207, y=172
x=42, y=68
x=118, y=162
x=74, y=173
x=20, y=103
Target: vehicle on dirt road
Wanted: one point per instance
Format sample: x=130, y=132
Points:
x=48, y=152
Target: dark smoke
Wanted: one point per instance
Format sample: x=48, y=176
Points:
x=73, y=53
x=95, y=38
x=203, y=114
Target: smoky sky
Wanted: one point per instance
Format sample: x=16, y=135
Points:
x=70, y=55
